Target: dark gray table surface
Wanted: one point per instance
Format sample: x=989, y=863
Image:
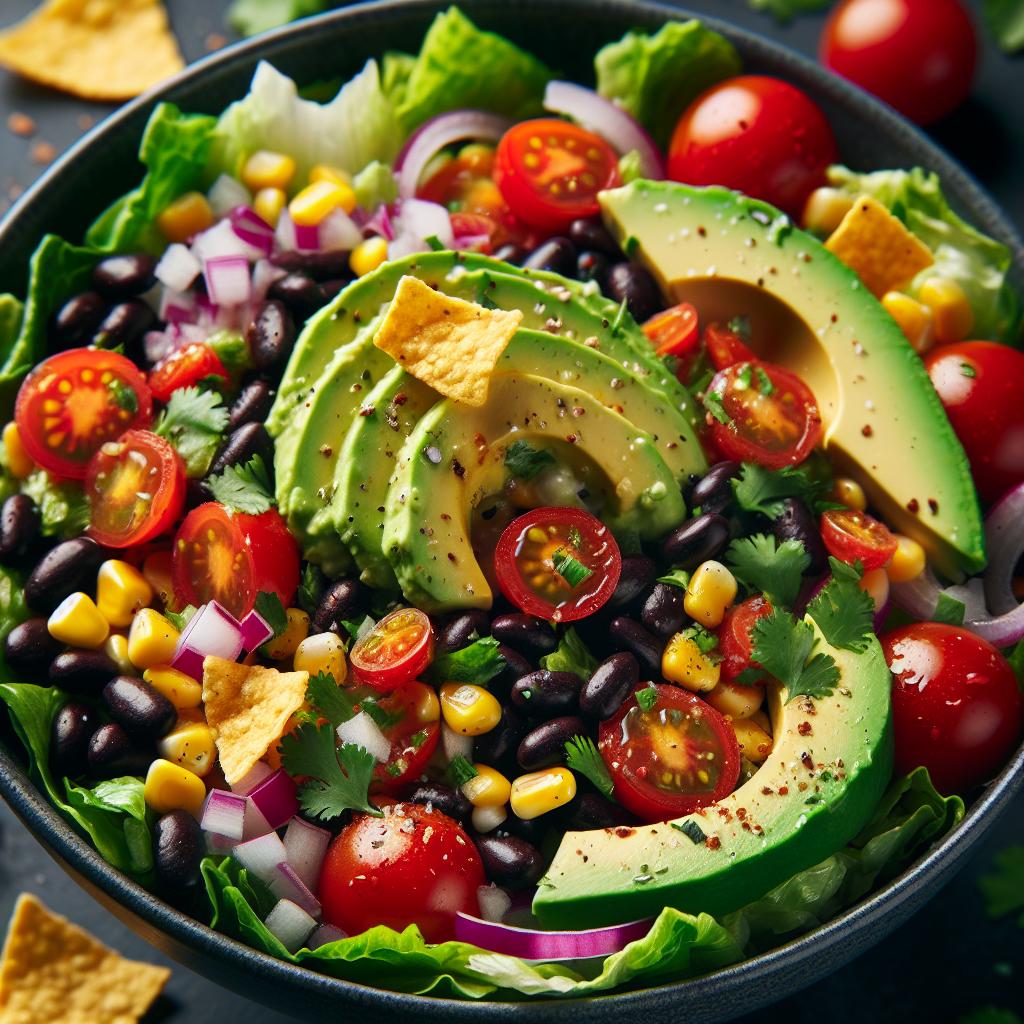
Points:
x=949, y=959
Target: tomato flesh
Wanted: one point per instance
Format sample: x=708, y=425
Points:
x=735, y=643
x=854, y=536
x=413, y=731
x=185, y=368
x=725, y=347
x=395, y=651
x=674, y=331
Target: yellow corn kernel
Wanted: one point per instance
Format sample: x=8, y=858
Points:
x=539, y=792
x=185, y=217
x=19, y=462
x=170, y=787
x=425, y=706
x=683, y=662
x=325, y=172
x=711, y=590
x=469, y=710
x=285, y=645
x=268, y=204
x=151, y=640
x=762, y=721
x=321, y=652
x=180, y=689
x=954, y=317
x=121, y=590
x=849, y=493
x=265, y=169
x=368, y=255
x=157, y=570
x=318, y=201
x=116, y=649
x=735, y=700
x=755, y=743
x=191, y=745
x=191, y=715
x=875, y=582
x=825, y=209
x=915, y=319
x=78, y=622
x=908, y=561
x=488, y=788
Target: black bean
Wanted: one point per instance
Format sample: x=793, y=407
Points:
x=590, y=233
x=70, y=733
x=633, y=284
x=515, y=663
x=592, y=811
x=444, y=799
x=461, y=630
x=82, y=671
x=510, y=862
x=124, y=324
x=629, y=635
x=524, y=632
x=593, y=266
x=545, y=745
x=19, y=526
x=111, y=753
x=299, y=292
x=124, y=276
x=557, y=254
x=343, y=599
x=510, y=253
x=29, y=648
x=321, y=266
x=144, y=712
x=713, y=491
x=178, y=848
x=63, y=570
x=530, y=829
x=75, y=321
x=543, y=693
x=252, y=404
x=612, y=682
x=329, y=289
x=663, y=613
x=241, y=445
x=795, y=522
x=270, y=334
x=497, y=747
x=696, y=541
x=638, y=572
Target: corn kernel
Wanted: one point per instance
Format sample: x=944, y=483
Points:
x=78, y=622
x=469, y=710
x=316, y=202
x=915, y=319
x=488, y=788
x=954, y=317
x=368, y=255
x=185, y=217
x=157, y=570
x=735, y=700
x=152, y=639
x=875, y=582
x=849, y=493
x=180, y=689
x=190, y=745
x=755, y=743
x=539, y=792
x=265, y=169
x=169, y=787
x=825, y=209
x=19, y=462
x=711, y=590
x=285, y=645
x=322, y=652
x=684, y=663
x=116, y=649
x=325, y=172
x=908, y=561
x=425, y=706
x=487, y=819
x=121, y=590
x=268, y=204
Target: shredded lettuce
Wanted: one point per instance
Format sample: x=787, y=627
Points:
x=62, y=504
x=785, y=10
x=250, y=17
x=375, y=184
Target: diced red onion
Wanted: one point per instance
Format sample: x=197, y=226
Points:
x=218, y=845
x=214, y=630
x=188, y=660
x=494, y=903
x=537, y=945
x=471, y=241
x=339, y=233
x=226, y=193
x=221, y=240
x=380, y=224
x=227, y=280
x=364, y=732
x=287, y=885
x=306, y=844
x=178, y=307
x=423, y=220
x=255, y=824
x=255, y=630
x=918, y=597
x=275, y=798
x=291, y=924
x=178, y=268
x=157, y=345
x=261, y=856
x=224, y=814
x=252, y=778
x=324, y=934
x=1004, y=540
x=307, y=237
x=252, y=229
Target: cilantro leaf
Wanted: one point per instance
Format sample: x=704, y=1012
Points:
x=124, y=396
x=62, y=505
x=949, y=610
x=647, y=697
x=762, y=490
x=524, y=461
x=691, y=830
x=676, y=578
x=194, y=422
x=460, y=771
x=581, y=755
x=706, y=641
x=843, y=612
x=268, y=604
x=1003, y=888
x=332, y=701
x=764, y=566
x=244, y=488
x=784, y=646
x=478, y=663
x=714, y=405
x=311, y=588
x=181, y=619
x=380, y=717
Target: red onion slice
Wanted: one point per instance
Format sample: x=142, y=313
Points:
x=261, y=856
x=287, y=885
x=275, y=799
x=252, y=229
x=227, y=280
x=255, y=631
x=306, y=845
x=537, y=945
x=252, y=778
x=1004, y=540
x=325, y=933
x=213, y=630
x=224, y=814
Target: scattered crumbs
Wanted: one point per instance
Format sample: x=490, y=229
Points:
x=867, y=430
x=42, y=152
x=913, y=506
x=215, y=41
x=21, y=124
x=86, y=122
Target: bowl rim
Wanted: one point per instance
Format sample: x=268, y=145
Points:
x=790, y=965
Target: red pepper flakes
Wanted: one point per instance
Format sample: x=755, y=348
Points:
x=42, y=152
x=804, y=728
x=21, y=125
x=713, y=843
x=623, y=832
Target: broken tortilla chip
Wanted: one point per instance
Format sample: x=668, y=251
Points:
x=248, y=708
x=52, y=971
x=96, y=49
x=449, y=344
x=877, y=245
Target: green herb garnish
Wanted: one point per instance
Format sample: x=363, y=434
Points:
x=714, y=405
x=784, y=647
x=524, y=461
x=581, y=755
x=570, y=568
x=338, y=778
x=764, y=566
x=647, y=697
x=460, y=771
x=690, y=829
x=244, y=488
x=843, y=612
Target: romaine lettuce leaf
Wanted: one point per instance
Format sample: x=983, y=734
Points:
x=62, y=504
x=1005, y=19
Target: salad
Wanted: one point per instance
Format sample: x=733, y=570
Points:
x=474, y=534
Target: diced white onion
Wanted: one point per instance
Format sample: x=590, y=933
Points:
x=221, y=240
x=325, y=933
x=178, y=268
x=305, y=846
x=291, y=924
x=339, y=232
x=494, y=902
x=261, y=856
x=287, y=885
x=487, y=819
x=224, y=814
x=364, y=732
x=226, y=193
x=227, y=280
x=455, y=744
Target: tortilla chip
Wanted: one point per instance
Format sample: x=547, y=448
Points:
x=96, y=49
x=248, y=708
x=53, y=971
x=447, y=343
x=877, y=245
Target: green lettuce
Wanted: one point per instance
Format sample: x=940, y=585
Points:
x=1005, y=19
x=571, y=655
x=786, y=10
x=375, y=184
x=250, y=17
x=478, y=663
x=62, y=504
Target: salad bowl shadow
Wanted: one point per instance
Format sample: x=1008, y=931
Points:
x=103, y=165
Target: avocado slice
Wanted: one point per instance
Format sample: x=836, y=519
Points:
x=728, y=254
x=829, y=767
x=455, y=457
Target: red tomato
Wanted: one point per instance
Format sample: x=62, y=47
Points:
x=917, y=55
x=725, y=347
x=395, y=651
x=550, y=172
x=184, y=368
x=559, y=563
x=74, y=402
x=136, y=489
x=956, y=705
x=735, y=643
x=412, y=866
x=773, y=419
x=854, y=536
x=674, y=331
x=232, y=557
x=981, y=384
x=413, y=733
x=756, y=134
x=682, y=739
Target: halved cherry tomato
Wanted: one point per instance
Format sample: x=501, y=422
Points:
x=185, y=367
x=854, y=536
x=674, y=331
x=559, y=563
x=414, y=725
x=725, y=347
x=669, y=761
x=395, y=651
x=74, y=402
x=550, y=172
x=232, y=557
x=771, y=416
x=136, y=489
x=735, y=643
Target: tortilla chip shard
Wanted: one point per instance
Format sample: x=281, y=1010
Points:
x=449, y=344
x=54, y=971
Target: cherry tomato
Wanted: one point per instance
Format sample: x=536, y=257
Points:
x=184, y=368
x=74, y=402
x=395, y=651
x=559, y=563
x=917, y=55
x=674, y=331
x=725, y=347
x=136, y=489
x=956, y=705
x=669, y=761
x=232, y=557
x=550, y=172
x=854, y=536
x=735, y=643
x=412, y=866
x=981, y=384
x=756, y=134
x=772, y=417
x=413, y=730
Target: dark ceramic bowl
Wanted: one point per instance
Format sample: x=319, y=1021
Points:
x=103, y=165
